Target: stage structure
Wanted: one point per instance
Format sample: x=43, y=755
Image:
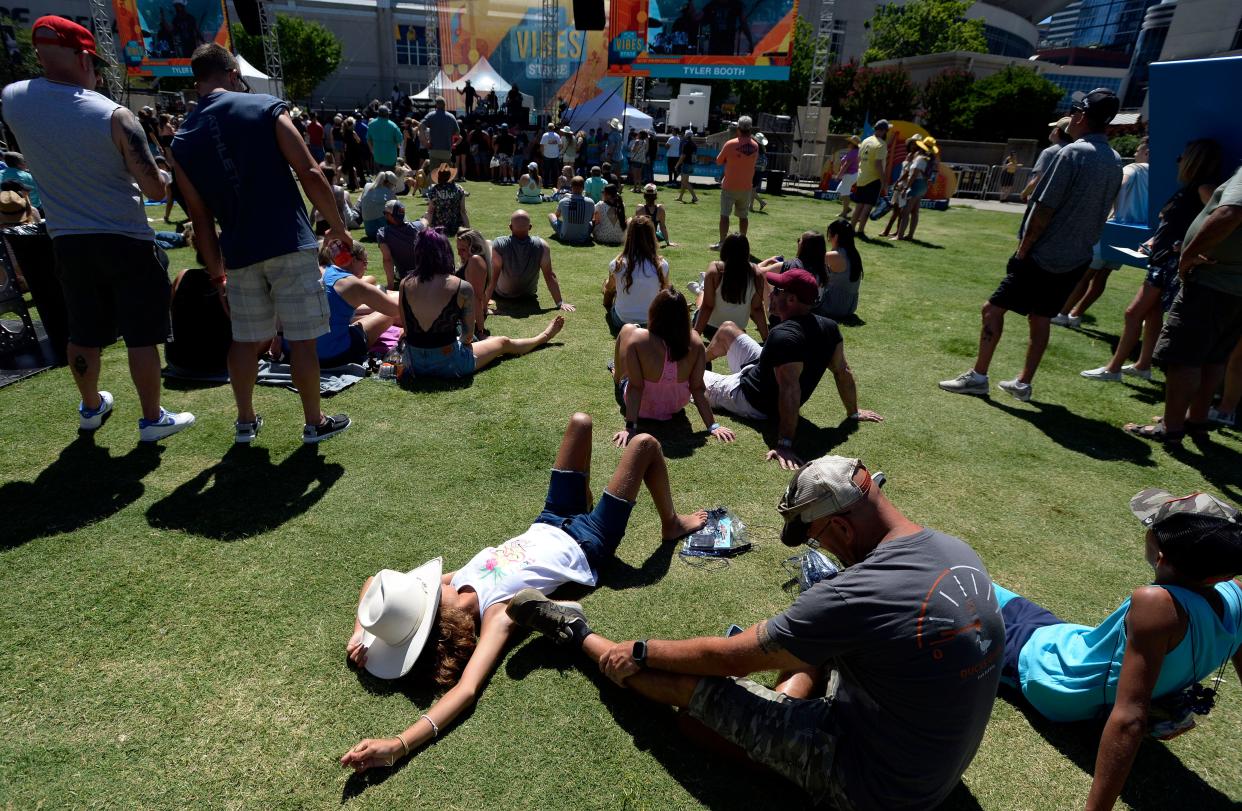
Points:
x=701, y=39
x=271, y=49
x=105, y=46
x=821, y=60
x=433, y=47
x=158, y=36
x=550, y=14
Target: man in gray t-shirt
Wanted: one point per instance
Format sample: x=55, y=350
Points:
x=517, y=260
x=437, y=131
x=888, y=669
x=1058, y=137
x=1062, y=223
x=571, y=222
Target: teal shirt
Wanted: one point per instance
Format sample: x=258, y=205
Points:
x=595, y=188
x=1225, y=274
x=23, y=177
x=385, y=139
x=1070, y=672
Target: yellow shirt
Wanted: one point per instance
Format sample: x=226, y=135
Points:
x=872, y=150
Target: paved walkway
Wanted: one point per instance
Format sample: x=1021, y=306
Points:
x=988, y=205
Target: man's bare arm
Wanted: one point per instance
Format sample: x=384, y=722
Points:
x=205, y=237
x=752, y=651
x=789, y=400
x=131, y=142
x=1040, y=218
x=316, y=186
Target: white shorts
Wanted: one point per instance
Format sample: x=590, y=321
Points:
x=846, y=183
x=724, y=392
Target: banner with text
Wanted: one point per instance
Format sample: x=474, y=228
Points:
x=701, y=39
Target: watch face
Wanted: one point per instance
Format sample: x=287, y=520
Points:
x=640, y=651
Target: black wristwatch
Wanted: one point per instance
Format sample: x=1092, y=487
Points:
x=640, y=653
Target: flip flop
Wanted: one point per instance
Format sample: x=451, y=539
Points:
x=1156, y=432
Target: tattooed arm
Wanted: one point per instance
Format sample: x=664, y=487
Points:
x=465, y=299
x=131, y=142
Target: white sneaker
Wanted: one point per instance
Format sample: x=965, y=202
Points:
x=1019, y=390
x=89, y=420
x=968, y=382
x=1073, y=321
x=1133, y=371
x=1061, y=320
x=169, y=423
x=1101, y=373
x=1222, y=417
x=695, y=288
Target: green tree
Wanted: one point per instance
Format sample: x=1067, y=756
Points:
x=309, y=52
x=781, y=98
x=941, y=97
x=875, y=94
x=923, y=27
x=1014, y=103
x=21, y=63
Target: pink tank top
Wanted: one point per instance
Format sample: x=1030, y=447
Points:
x=666, y=396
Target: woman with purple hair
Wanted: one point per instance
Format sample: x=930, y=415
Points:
x=438, y=308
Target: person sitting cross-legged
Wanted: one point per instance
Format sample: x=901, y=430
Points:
x=571, y=222
x=776, y=379
x=657, y=369
x=518, y=258
x=570, y=541
x=1138, y=668
x=438, y=310
x=888, y=670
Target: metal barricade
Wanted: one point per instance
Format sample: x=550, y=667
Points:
x=983, y=182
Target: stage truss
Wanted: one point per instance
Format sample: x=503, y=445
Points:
x=101, y=16
x=271, y=48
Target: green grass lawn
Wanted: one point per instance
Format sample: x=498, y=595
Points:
x=174, y=618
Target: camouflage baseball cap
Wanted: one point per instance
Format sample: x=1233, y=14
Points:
x=823, y=487
x=1153, y=505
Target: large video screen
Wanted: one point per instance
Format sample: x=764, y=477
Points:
x=701, y=39
x=157, y=37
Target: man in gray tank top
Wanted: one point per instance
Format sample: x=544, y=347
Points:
x=87, y=152
x=517, y=260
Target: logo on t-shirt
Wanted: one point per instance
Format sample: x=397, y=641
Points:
x=952, y=609
x=510, y=556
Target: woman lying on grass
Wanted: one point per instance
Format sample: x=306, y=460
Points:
x=462, y=614
x=1140, y=667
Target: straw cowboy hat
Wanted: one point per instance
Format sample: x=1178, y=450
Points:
x=855, y=140
x=929, y=144
x=446, y=167
x=615, y=123
x=761, y=138
x=396, y=615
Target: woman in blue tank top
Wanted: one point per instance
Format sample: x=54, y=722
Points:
x=1135, y=667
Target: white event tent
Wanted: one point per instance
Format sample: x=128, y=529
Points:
x=259, y=81
x=483, y=77
x=599, y=110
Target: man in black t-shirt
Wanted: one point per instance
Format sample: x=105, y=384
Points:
x=505, y=144
x=776, y=379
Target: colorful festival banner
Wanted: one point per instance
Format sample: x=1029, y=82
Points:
x=701, y=39
x=508, y=34
x=157, y=37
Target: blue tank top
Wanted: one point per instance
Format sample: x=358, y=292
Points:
x=340, y=312
x=227, y=147
x=1070, y=672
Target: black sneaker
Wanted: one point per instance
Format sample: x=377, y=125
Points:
x=330, y=427
x=563, y=623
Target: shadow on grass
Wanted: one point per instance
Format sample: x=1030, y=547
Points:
x=1219, y=464
x=523, y=307
x=84, y=485
x=877, y=242
x=924, y=244
x=245, y=494
x=1158, y=779
x=1090, y=437
x=811, y=441
x=717, y=774
x=851, y=320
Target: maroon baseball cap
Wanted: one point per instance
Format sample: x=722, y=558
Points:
x=797, y=281
x=53, y=30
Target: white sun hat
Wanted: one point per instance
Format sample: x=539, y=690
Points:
x=396, y=615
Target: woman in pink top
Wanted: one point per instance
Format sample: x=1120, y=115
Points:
x=657, y=369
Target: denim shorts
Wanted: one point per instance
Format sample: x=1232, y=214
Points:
x=454, y=360
x=598, y=531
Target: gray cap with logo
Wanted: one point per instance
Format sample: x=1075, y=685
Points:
x=820, y=488
x=1154, y=505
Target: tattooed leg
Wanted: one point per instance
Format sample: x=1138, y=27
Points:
x=84, y=361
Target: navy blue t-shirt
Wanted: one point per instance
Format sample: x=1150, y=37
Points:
x=227, y=147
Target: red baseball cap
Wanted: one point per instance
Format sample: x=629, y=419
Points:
x=797, y=281
x=53, y=30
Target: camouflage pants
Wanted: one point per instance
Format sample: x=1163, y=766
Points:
x=794, y=737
